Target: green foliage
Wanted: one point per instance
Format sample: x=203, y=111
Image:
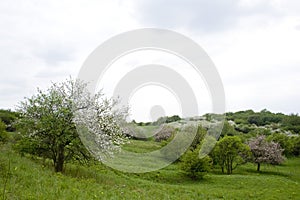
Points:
x=228, y=130
x=194, y=166
x=285, y=142
x=265, y=117
x=143, y=123
x=261, y=118
x=3, y=133
x=48, y=129
x=274, y=120
x=191, y=163
x=200, y=135
x=229, y=153
x=173, y=118
x=296, y=145
x=8, y=117
x=244, y=128
x=292, y=123
x=260, y=131
x=166, y=119
x=240, y=116
x=240, y=121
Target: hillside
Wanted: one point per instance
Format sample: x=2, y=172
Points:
x=27, y=176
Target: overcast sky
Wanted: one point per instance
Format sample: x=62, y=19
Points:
x=255, y=44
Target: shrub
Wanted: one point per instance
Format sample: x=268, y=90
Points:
x=3, y=133
x=194, y=166
x=296, y=145
x=8, y=117
x=284, y=141
x=200, y=135
x=164, y=133
x=230, y=152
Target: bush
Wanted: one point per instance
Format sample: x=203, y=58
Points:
x=200, y=135
x=230, y=152
x=285, y=142
x=164, y=134
x=296, y=145
x=3, y=133
x=240, y=121
x=244, y=128
x=228, y=130
x=194, y=166
x=8, y=117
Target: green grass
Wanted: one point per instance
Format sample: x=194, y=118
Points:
x=139, y=146
x=29, y=178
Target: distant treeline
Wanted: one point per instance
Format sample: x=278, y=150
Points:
x=159, y=121
x=287, y=122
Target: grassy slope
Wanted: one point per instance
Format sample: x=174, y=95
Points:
x=28, y=179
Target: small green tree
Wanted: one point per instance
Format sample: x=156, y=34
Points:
x=194, y=166
x=230, y=152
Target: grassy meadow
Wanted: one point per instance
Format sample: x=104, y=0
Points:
x=32, y=178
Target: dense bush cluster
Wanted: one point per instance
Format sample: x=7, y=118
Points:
x=265, y=117
x=8, y=117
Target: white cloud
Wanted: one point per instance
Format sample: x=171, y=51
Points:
x=44, y=41
x=254, y=44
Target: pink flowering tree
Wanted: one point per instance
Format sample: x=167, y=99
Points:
x=265, y=152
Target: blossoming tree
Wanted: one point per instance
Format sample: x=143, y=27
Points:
x=67, y=122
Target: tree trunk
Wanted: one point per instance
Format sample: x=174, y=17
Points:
x=228, y=168
x=59, y=164
x=258, y=167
